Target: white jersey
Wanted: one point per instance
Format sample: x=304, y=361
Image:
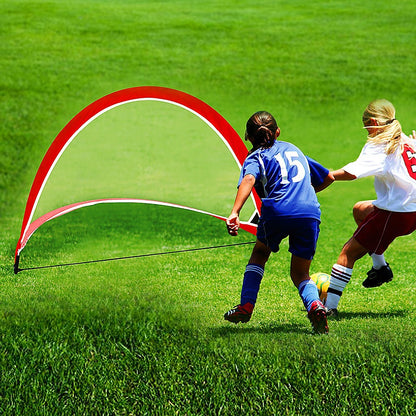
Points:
x=394, y=174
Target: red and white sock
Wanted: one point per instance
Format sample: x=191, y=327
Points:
x=340, y=276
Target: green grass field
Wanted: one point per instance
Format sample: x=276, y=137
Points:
x=146, y=336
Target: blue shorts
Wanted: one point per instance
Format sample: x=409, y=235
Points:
x=302, y=232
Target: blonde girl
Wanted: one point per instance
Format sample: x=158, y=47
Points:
x=390, y=156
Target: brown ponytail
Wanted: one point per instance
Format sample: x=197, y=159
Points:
x=261, y=130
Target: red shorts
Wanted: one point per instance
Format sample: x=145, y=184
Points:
x=381, y=227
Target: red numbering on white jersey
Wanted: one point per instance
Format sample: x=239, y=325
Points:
x=409, y=157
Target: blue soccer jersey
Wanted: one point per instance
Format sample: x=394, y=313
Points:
x=283, y=181
x=318, y=172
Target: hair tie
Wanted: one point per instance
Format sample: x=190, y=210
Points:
x=390, y=121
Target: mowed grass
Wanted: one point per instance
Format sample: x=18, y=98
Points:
x=146, y=336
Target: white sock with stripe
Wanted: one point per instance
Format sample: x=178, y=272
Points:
x=340, y=276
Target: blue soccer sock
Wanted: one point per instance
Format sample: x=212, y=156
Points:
x=308, y=293
x=251, y=283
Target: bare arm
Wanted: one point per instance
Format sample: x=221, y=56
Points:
x=327, y=181
x=342, y=175
x=244, y=190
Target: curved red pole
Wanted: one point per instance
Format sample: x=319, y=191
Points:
x=68, y=133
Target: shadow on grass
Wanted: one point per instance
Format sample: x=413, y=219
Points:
x=370, y=315
x=276, y=328
x=271, y=328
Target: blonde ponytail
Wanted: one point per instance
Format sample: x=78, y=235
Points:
x=389, y=129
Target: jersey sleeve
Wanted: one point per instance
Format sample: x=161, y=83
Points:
x=318, y=172
x=251, y=166
x=369, y=163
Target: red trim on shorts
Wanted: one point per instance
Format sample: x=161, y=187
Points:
x=381, y=227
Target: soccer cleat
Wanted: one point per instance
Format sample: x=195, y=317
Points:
x=240, y=313
x=376, y=278
x=332, y=313
x=317, y=316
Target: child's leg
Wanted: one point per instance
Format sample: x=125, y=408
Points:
x=251, y=285
x=299, y=272
x=340, y=276
x=342, y=271
x=308, y=292
x=360, y=211
x=378, y=261
x=302, y=245
x=254, y=273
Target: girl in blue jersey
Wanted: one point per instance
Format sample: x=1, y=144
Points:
x=281, y=175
